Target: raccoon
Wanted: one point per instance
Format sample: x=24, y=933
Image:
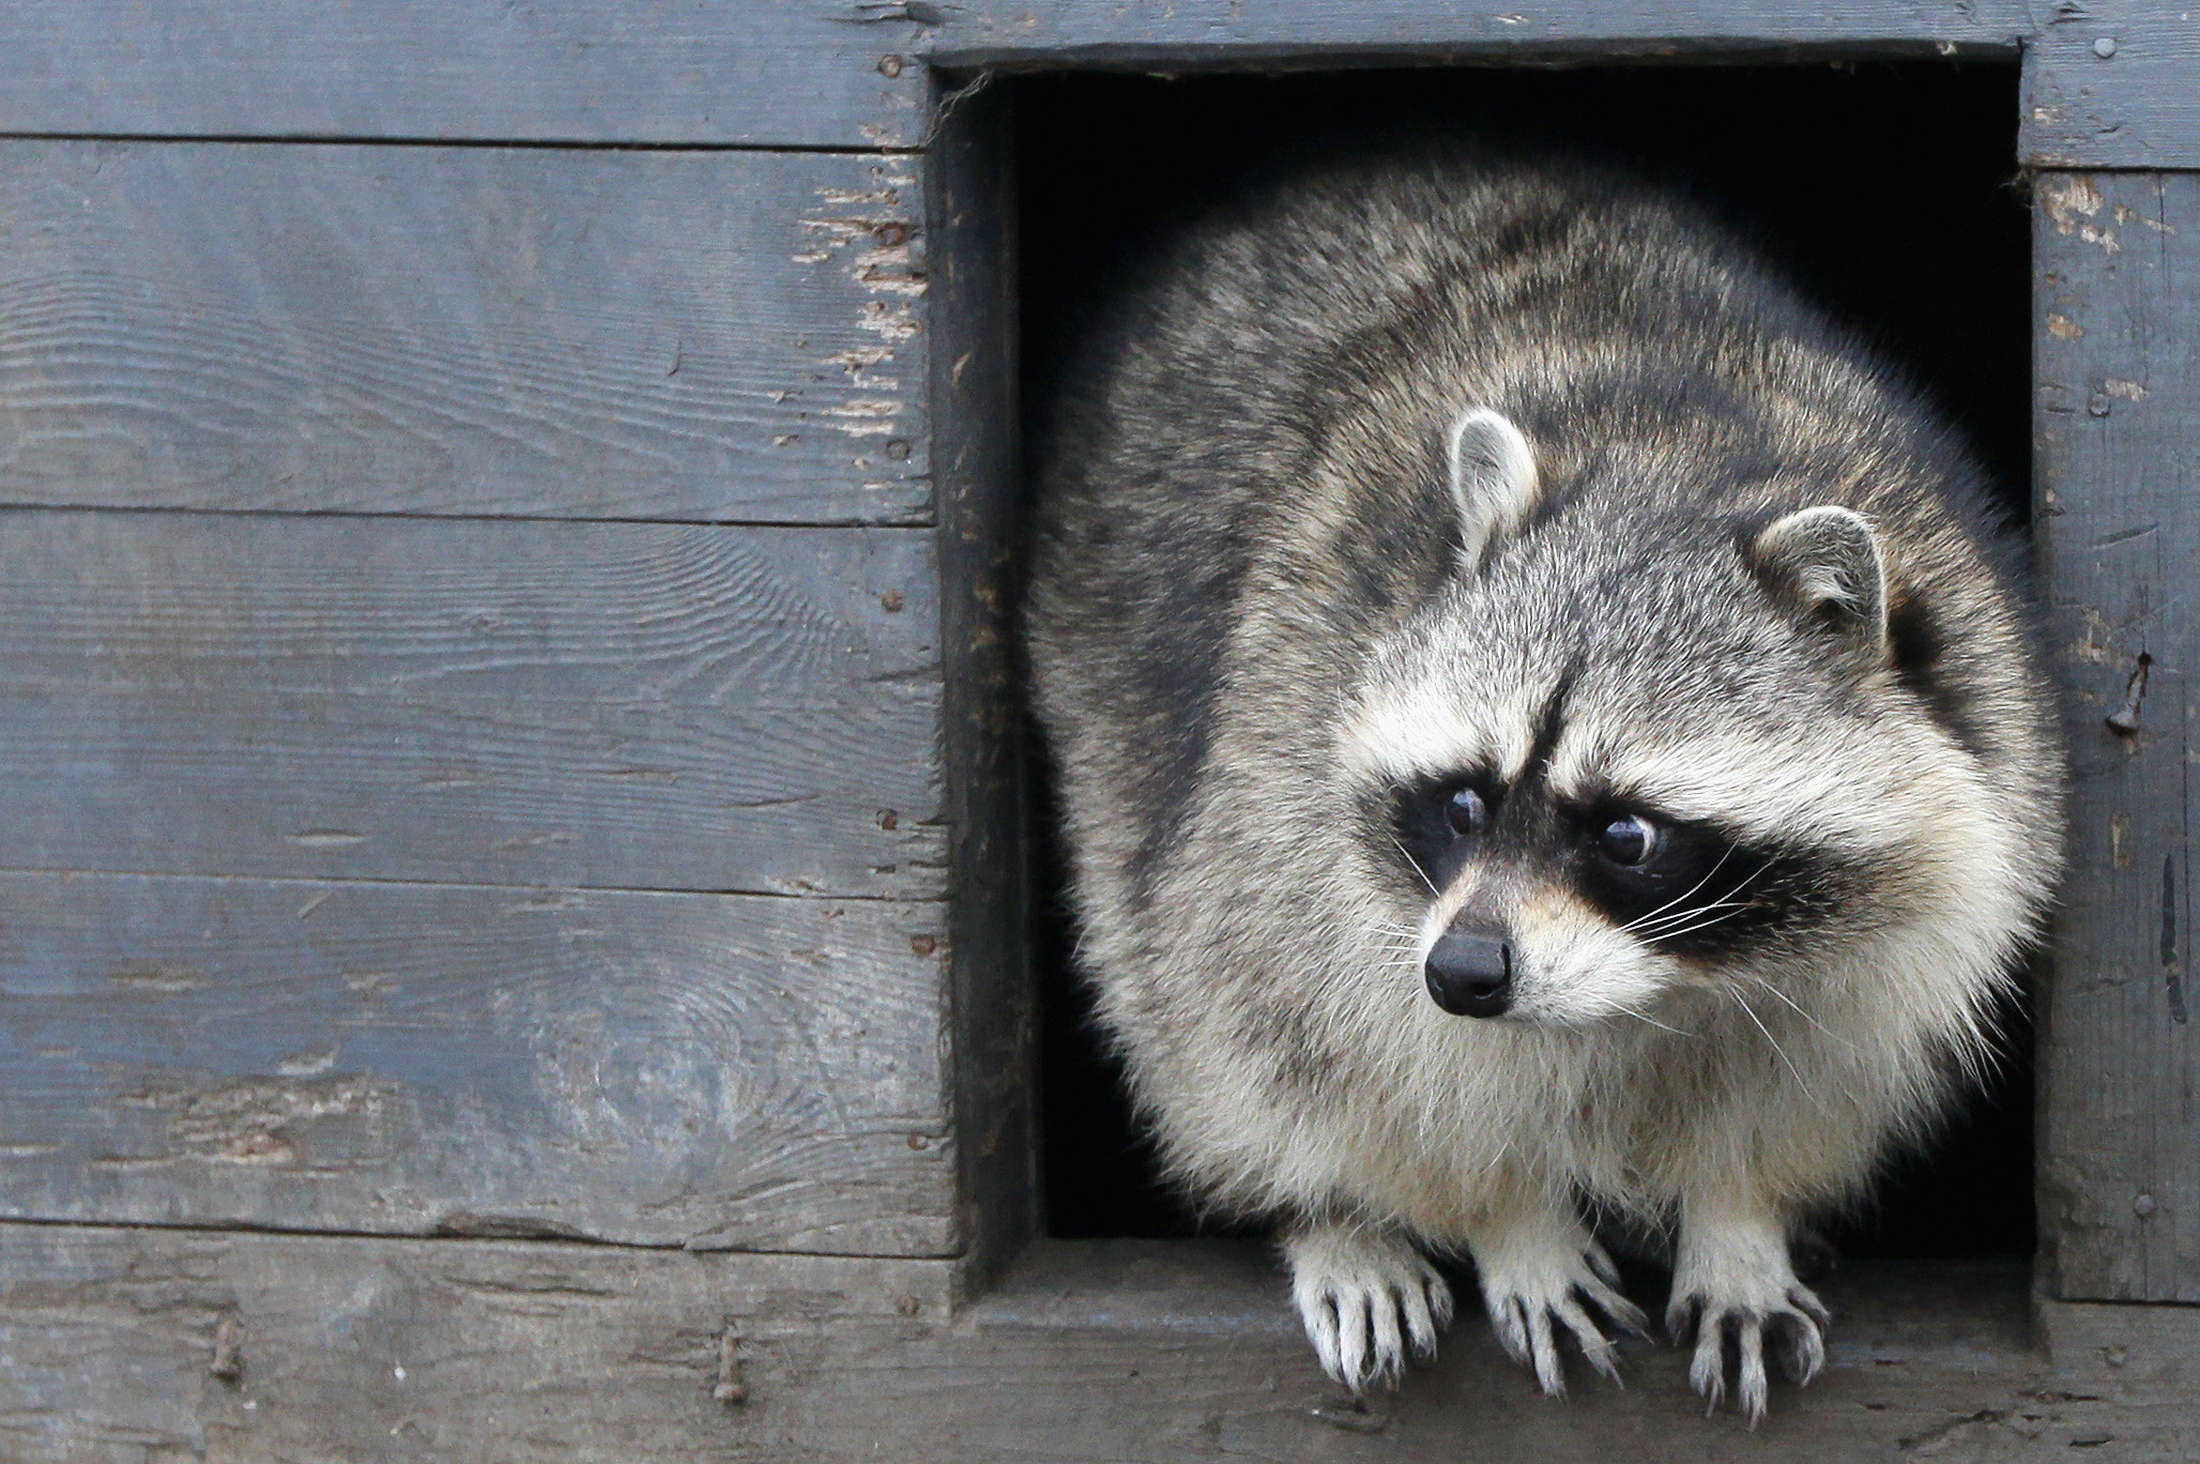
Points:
x=1545, y=730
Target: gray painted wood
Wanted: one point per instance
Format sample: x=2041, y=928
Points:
x=786, y=72
x=2113, y=84
x=712, y=1071
x=510, y=1353
x=2119, y=522
x=527, y=703
x=356, y=1350
x=975, y=411
x=1193, y=33
x=549, y=332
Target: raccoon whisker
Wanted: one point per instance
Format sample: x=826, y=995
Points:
x=1653, y=1021
x=1778, y=1050
x=1673, y=932
x=1665, y=928
x=1769, y=989
x=1651, y=921
x=1402, y=849
x=1672, y=922
x=1684, y=894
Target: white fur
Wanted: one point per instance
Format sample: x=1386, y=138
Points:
x=1366, y=1296
x=1493, y=479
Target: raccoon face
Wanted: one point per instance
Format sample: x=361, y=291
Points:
x=1545, y=905
x=1599, y=770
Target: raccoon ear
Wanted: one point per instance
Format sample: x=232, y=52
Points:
x=1824, y=562
x=1493, y=481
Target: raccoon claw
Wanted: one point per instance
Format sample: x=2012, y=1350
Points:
x=1794, y=1326
x=1366, y=1298
x=1525, y=1294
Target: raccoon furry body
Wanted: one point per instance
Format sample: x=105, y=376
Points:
x=1542, y=721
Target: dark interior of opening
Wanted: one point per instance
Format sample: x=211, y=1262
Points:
x=1889, y=189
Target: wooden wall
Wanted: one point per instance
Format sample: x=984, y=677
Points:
x=507, y=758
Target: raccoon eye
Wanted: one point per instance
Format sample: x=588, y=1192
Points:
x=1465, y=812
x=1630, y=841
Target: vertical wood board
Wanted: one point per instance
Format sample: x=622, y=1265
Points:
x=770, y=72
x=974, y=399
x=631, y=705
x=547, y=332
x=2118, y=381
x=700, y=1070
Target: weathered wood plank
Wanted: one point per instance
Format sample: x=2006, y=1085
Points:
x=1194, y=33
x=636, y=705
x=971, y=188
x=700, y=1070
x=550, y=332
x=2118, y=449
x=2113, y=84
x=789, y=73
x=355, y=1350
x=119, y=1345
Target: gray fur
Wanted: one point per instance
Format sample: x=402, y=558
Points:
x=1749, y=588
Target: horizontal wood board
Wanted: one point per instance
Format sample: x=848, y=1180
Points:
x=127, y=1346
x=771, y=72
x=2117, y=257
x=653, y=1069
x=2113, y=84
x=526, y=703
x=1192, y=33
x=514, y=331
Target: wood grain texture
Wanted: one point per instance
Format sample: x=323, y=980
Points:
x=786, y=72
x=630, y=705
x=512, y=1353
x=971, y=187
x=2118, y=447
x=703, y=1070
x=549, y=332
x=479, y=1352
x=2113, y=84
x=1195, y=33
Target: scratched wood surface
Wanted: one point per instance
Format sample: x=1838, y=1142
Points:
x=784, y=72
x=132, y=1345
x=653, y=1069
x=2119, y=396
x=547, y=332
x=632, y=705
x=2113, y=84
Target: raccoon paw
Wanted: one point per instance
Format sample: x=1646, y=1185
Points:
x=1365, y=1297
x=1531, y=1282
x=1779, y=1314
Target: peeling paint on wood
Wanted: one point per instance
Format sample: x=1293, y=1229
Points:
x=549, y=332
x=2116, y=552
x=2112, y=84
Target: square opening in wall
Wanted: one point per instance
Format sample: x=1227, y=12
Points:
x=1887, y=191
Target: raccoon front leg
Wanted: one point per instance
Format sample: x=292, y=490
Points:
x=1734, y=1285
x=1541, y=1273
x=1365, y=1295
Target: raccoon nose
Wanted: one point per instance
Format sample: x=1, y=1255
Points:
x=1470, y=973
